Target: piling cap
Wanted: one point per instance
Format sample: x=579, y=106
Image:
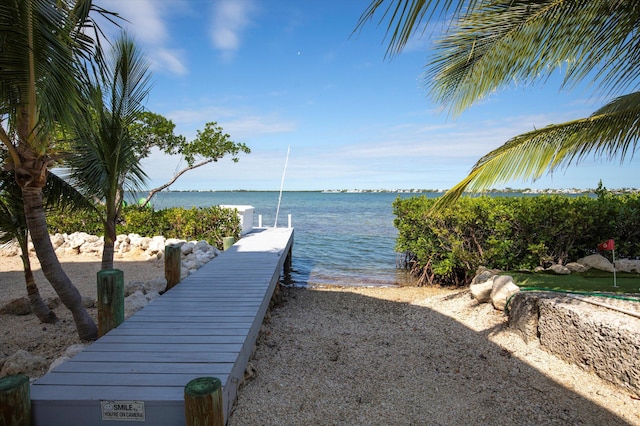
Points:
x=202, y=386
x=8, y=383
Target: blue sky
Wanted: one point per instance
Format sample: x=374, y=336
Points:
x=289, y=73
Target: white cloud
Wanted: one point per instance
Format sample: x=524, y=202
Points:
x=230, y=18
x=255, y=126
x=169, y=60
x=240, y=125
x=146, y=22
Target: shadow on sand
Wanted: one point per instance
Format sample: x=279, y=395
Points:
x=325, y=361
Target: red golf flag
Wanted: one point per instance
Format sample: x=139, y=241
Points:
x=607, y=245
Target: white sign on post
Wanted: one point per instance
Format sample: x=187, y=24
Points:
x=124, y=411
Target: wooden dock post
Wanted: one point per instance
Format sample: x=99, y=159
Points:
x=15, y=402
x=287, y=262
x=172, y=264
x=110, y=300
x=203, y=402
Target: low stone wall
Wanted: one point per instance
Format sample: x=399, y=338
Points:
x=602, y=340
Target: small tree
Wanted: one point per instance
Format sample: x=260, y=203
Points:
x=105, y=159
x=210, y=145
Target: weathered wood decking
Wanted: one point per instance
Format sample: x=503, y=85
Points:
x=205, y=326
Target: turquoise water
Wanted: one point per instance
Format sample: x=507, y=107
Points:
x=340, y=238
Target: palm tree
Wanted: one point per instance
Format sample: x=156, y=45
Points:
x=491, y=44
x=105, y=161
x=13, y=227
x=41, y=45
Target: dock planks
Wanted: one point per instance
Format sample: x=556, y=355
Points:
x=205, y=326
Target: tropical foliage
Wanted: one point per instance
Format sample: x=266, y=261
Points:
x=210, y=224
x=446, y=245
x=492, y=44
x=104, y=160
x=43, y=44
x=210, y=144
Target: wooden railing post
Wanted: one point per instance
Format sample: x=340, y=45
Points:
x=203, y=402
x=110, y=300
x=172, y=264
x=15, y=401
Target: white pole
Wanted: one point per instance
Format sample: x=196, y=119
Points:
x=259, y=221
x=281, y=185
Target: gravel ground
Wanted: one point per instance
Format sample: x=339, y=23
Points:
x=369, y=356
x=412, y=356
x=51, y=340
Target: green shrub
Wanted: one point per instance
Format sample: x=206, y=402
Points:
x=69, y=221
x=448, y=245
x=210, y=224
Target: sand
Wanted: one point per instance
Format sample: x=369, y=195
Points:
x=367, y=356
x=412, y=356
x=51, y=340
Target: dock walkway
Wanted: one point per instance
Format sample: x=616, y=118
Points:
x=205, y=326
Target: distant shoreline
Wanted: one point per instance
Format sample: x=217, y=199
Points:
x=527, y=191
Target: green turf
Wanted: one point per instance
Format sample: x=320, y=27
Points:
x=592, y=281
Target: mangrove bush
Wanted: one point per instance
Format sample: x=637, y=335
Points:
x=447, y=245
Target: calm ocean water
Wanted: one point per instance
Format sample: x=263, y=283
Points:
x=340, y=238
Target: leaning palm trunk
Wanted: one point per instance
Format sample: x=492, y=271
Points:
x=68, y=293
x=38, y=307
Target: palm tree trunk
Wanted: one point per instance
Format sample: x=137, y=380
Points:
x=38, y=307
x=68, y=293
x=109, y=242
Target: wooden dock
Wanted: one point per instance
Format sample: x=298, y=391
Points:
x=205, y=326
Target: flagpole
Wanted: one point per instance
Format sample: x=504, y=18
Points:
x=286, y=161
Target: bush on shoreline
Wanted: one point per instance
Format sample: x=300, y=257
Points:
x=210, y=224
x=448, y=245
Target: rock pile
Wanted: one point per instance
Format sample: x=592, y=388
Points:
x=194, y=255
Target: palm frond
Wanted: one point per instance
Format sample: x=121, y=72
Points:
x=506, y=41
x=42, y=43
x=60, y=194
x=405, y=16
x=611, y=132
x=13, y=224
x=129, y=80
x=105, y=159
